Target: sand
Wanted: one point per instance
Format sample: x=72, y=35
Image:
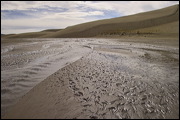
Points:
x=113, y=79
x=26, y=62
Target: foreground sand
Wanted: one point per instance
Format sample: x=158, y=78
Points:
x=118, y=80
x=27, y=62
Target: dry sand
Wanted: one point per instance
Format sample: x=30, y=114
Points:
x=112, y=80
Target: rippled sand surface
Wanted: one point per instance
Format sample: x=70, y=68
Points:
x=26, y=62
x=99, y=78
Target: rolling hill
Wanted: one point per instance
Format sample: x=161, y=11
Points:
x=161, y=21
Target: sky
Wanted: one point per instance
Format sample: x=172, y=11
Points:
x=32, y=16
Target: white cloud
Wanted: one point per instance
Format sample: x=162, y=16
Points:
x=71, y=15
x=130, y=7
x=121, y=6
x=33, y=24
x=134, y=7
x=25, y=5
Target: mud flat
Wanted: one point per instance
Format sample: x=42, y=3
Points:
x=112, y=79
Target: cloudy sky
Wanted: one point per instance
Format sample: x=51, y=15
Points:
x=28, y=16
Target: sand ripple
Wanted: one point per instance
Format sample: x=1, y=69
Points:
x=109, y=81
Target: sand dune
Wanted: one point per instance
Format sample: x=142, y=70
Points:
x=134, y=24
x=122, y=24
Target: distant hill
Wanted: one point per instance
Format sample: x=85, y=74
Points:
x=51, y=30
x=162, y=21
x=32, y=34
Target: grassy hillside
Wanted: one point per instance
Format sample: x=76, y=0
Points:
x=160, y=21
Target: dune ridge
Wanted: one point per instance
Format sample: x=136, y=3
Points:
x=121, y=24
x=132, y=24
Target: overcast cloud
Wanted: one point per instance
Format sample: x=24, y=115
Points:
x=28, y=16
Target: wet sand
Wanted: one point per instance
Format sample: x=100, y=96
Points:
x=112, y=79
x=26, y=62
